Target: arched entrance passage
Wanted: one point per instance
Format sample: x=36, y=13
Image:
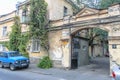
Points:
x=113, y=30
x=60, y=39
x=81, y=46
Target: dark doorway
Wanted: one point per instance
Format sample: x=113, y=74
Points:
x=87, y=45
x=80, y=50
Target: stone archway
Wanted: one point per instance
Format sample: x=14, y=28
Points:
x=71, y=31
x=113, y=30
x=81, y=53
x=63, y=39
x=60, y=39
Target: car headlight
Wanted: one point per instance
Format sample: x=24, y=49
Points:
x=28, y=60
x=16, y=62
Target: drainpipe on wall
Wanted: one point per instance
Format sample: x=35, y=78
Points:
x=70, y=43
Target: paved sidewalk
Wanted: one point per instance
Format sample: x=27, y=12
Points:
x=89, y=72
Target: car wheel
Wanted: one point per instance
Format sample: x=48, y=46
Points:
x=1, y=65
x=12, y=67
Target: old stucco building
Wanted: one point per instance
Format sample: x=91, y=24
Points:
x=6, y=21
x=61, y=35
x=55, y=11
x=64, y=27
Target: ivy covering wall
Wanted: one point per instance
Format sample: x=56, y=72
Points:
x=38, y=22
x=18, y=41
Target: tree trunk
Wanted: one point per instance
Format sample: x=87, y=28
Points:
x=92, y=47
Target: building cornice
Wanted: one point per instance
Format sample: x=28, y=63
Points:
x=4, y=15
x=97, y=21
x=6, y=20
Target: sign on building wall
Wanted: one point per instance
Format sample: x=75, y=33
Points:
x=114, y=46
x=65, y=34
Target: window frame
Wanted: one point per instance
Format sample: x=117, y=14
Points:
x=25, y=16
x=35, y=46
x=114, y=46
x=2, y=47
x=4, y=31
x=65, y=11
x=5, y=55
x=1, y=54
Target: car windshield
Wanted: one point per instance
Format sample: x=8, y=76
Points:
x=14, y=54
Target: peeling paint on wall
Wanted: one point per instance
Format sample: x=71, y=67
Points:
x=57, y=53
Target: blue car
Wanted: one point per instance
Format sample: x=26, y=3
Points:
x=13, y=60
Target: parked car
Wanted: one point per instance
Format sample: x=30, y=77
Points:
x=116, y=72
x=13, y=60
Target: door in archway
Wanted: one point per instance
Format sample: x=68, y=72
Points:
x=80, y=52
x=83, y=56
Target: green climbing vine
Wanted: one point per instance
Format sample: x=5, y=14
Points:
x=18, y=40
x=38, y=11
x=24, y=40
x=5, y=43
x=14, y=41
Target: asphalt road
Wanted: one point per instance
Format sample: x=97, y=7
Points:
x=98, y=70
x=6, y=74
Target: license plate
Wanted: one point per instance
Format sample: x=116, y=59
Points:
x=24, y=64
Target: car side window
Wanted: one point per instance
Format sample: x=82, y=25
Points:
x=5, y=55
x=1, y=54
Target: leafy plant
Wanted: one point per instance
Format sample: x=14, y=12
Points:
x=5, y=43
x=38, y=23
x=18, y=41
x=96, y=33
x=107, y=3
x=24, y=39
x=26, y=55
x=45, y=63
x=15, y=34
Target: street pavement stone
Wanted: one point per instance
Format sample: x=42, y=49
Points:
x=97, y=70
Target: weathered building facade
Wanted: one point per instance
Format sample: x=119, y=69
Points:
x=6, y=21
x=55, y=11
x=64, y=27
x=61, y=35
